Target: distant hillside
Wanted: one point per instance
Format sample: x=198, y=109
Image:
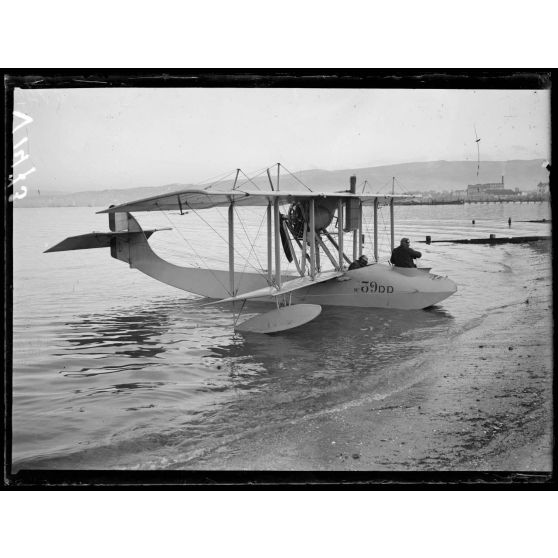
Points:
x=437, y=176
x=410, y=177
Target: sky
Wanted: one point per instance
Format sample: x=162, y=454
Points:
x=96, y=139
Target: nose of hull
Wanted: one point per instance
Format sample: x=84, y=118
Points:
x=444, y=288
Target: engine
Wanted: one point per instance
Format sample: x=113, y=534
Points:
x=298, y=216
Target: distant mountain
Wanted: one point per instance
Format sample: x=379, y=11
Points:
x=435, y=176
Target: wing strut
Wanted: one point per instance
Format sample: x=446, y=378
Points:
x=375, y=230
x=326, y=250
x=231, y=247
x=303, y=254
x=312, y=240
x=270, y=182
x=269, y=246
x=336, y=246
x=277, y=224
x=359, y=230
x=392, y=224
x=340, y=231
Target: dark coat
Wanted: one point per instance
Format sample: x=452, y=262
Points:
x=403, y=256
x=355, y=265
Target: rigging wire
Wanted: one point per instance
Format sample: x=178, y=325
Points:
x=400, y=184
x=235, y=320
x=296, y=178
x=385, y=233
x=250, y=179
x=237, y=187
x=368, y=227
x=215, y=179
x=193, y=249
x=252, y=245
x=223, y=239
x=225, y=219
x=383, y=186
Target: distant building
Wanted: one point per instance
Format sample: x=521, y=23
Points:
x=474, y=189
x=488, y=190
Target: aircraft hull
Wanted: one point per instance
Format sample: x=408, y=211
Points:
x=374, y=286
x=380, y=286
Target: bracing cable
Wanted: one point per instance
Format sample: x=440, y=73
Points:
x=246, y=259
x=296, y=178
x=215, y=179
x=223, y=239
x=194, y=251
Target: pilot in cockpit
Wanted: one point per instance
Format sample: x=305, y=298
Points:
x=361, y=262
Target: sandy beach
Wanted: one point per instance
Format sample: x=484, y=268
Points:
x=481, y=402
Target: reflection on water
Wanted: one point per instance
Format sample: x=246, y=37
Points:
x=344, y=340
x=135, y=334
x=176, y=361
x=119, y=388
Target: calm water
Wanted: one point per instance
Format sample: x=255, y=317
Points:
x=113, y=369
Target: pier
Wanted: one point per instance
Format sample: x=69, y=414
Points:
x=492, y=239
x=441, y=201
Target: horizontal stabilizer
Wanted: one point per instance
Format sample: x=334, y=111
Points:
x=287, y=287
x=95, y=240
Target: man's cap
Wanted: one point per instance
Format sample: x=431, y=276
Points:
x=363, y=258
x=405, y=240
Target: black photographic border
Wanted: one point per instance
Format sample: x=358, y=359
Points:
x=262, y=78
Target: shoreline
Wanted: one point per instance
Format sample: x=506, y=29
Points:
x=489, y=410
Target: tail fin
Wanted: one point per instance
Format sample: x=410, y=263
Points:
x=118, y=221
x=119, y=247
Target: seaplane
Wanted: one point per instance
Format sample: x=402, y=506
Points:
x=315, y=232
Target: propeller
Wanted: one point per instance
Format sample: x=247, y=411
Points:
x=285, y=241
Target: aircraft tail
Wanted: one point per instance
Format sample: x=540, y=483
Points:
x=128, y=242
x=124, y=229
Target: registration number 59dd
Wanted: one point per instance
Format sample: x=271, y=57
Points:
x=373, y=287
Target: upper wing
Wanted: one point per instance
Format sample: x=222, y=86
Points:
x=202, y=199
x=182, y=199
x=287, y=287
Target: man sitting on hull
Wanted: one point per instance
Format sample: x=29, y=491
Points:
x=361, y=262
x=403, y=255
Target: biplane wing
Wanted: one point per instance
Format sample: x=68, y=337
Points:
x=287, y=287
x=202, y=199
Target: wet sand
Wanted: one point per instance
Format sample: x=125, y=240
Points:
x=482, y=402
